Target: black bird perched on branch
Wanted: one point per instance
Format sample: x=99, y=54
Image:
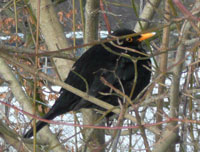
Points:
x=114, y=62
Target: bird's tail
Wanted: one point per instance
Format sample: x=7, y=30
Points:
x=40, y=124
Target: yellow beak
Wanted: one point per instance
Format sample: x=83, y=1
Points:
x=146, y=36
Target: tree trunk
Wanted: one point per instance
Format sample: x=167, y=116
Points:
x=94, y=138
x=55, y=39
x=53, y=34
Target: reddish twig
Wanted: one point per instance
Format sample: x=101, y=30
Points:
x=185, y=12
x=168, y=120
x=105, y=17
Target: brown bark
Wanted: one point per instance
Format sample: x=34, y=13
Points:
x=94, y=138
x=55, y=39
x=163, y=66
x=147, y=13
x=53, y=34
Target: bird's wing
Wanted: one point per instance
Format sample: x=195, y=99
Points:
x=89, y=66
x=85, y=76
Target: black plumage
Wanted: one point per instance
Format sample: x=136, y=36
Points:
x=99, y=62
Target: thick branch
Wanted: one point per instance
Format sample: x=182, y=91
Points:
x=147, y=14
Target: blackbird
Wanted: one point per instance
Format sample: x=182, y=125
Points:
x=114, y=61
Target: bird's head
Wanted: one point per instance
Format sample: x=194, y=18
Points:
x=129, y=39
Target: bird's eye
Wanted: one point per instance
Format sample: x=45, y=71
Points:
x=129, y=39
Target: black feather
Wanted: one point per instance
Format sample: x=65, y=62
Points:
x=99, y=62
